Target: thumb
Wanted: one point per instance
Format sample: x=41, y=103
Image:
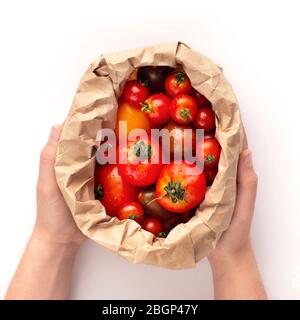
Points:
x=47, y=158
x=246, y=190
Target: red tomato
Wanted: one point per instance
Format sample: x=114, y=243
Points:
x=152, y=225
x=211, y=152
x=131, y=210
x=157, y=108
x=202, y=102
x=140, y=169
x=205, y=119
x=177, y=140
x=177, y=83
x=111, y=189
x=135, y=93
x=180, y=187
x=183, y=109
x=210, y=174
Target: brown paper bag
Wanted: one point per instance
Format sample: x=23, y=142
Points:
x=95, y=106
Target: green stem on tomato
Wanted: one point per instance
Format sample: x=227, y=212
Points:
x=142, y=151
x=179, y=78
x=175, y=191
x=147, y=106
x=162, y=234
x=185, y=114
x=209, y=159
x=99, y=192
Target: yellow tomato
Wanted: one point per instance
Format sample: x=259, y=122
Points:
x=135, y=118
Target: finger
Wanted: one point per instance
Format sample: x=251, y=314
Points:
x=245, y=140
x=48, y=155
x=246, y=190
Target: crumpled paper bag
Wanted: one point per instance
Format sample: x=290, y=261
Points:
x=95, y=106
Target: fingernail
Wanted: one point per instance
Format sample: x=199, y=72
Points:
x=54, y=134
x=248, y=159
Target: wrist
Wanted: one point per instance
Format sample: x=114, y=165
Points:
x=227, y=261
x=52, y=242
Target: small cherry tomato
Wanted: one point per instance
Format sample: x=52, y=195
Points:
x=171, y=223
x=180, y=187
x=202, y=102
x=177, y=83
x=205, y=119
x=210, y=174
x=183, y=109
x=135, y=93
x=178, y=137
x=147, y=198
x=142, y=161
x=211, y=152
x=111, y=189
x=131, y=210
x=157, y=108
x=152, y=225
x=154, y=77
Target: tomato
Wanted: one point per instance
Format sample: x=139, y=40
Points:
x=133, y=75
x=186, y=216
x=180, y=187
x=152, y=225
x=140, y=169
x=135, y=93
x=202, y=102
x=183, y=109
x=157, y=108
x=111, y=189
x=177, y=83
x=148, y=200
x=176, y=219
x=178, y=139
x=210, y=174
x=135, y=118
x=205, y=119
x=210, y=134
x=171, y=223
x=211, y=152
x=154, y=77
x=131, y=210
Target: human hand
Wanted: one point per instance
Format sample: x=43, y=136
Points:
x=54, y=242
x=236, y=240
x=54, y=220
x=234, y=268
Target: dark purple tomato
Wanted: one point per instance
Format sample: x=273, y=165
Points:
x=154, y=77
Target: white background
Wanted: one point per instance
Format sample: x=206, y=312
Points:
x=45, y=47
